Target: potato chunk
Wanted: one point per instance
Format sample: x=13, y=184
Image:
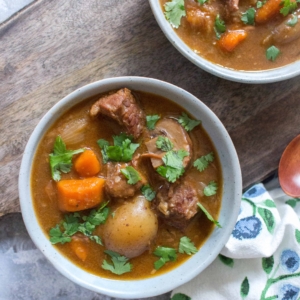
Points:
x=131, y=229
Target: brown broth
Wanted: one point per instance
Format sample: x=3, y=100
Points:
x=48, y=214
x=250, y=55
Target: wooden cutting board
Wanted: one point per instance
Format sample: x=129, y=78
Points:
x=54, y=47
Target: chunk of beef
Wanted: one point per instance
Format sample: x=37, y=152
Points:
x=233, y=5
x=177, y=203
x=116, y=185
x=200, y=17
x=176, y=134
x=122, y=107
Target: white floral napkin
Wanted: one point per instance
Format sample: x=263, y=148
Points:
x=261, y=260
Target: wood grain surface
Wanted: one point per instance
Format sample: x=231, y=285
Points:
x=55, y=46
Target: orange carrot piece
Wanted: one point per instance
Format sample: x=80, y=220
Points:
x=231, y=39
x=87, y=164
x=270, y=9
x=79, y=247
x=75, y=195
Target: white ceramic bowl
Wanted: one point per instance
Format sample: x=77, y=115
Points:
x=230, y=202
x=265, y=76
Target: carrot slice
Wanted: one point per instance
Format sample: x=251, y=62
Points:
x=79, y=247
x=268, y=11
x=231, y=39
x=87, y=164
x=75, y=195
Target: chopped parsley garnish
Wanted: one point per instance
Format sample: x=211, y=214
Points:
x=259, y=4
x=202, y=1
x=174, y=11
x=248, y=16
x=122, y=150
x=57, y=236
x=173, y=167
x=151, y=121
x=166, y=254
x=171, y=174
x=187, y=123
x=74, y=223
x=61, y=158
x=210, y=189
x=208, y=215
x=202, y=162
x=131, y=174
x=292, y=21
x=148, y=192
x=120, y=264
x=174, y=159
x=272, y=53
x=219, y=27
x=187, y=246
x=288, y=7
x=164, y=144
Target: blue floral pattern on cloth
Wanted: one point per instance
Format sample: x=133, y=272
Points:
x=289, y=292
x=290, y=260
x=261, y=260
x=247, y=228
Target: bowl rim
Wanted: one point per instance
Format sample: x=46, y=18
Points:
x=252, y=77
x=150, y=286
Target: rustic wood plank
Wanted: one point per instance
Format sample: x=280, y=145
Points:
x=54, y=47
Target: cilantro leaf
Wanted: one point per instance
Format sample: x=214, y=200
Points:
x=171, y=174
x=164, y=143
x=122, y=150
x=248, y=16
x=97, y=217
x=173, y=168
x=219, y=27
x=210, y=189
x=174, y=159
x=56, y=236
x=259, y=4
x=288, y=7
x=174, y=11
x=202, y=162
x=72, y=224
x=208, y=215
x=131, y=174
x=166, y=254
x=187, y=123
x=272, y=53
x=148, y=192
x=151, y=121
x=187, y=246
x=121, y=138
x=119, y=264
x=61, y=158
x=103, y=144
x=96, y=239
x=292, y=21
x=202, y=1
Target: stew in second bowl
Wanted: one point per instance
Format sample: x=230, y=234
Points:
x=241, y=35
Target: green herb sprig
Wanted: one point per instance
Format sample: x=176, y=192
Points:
x=202, y=162
x=61, y=158
x=122, y=150
x=120, y=264
x=174, y=11
x=74, y=223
